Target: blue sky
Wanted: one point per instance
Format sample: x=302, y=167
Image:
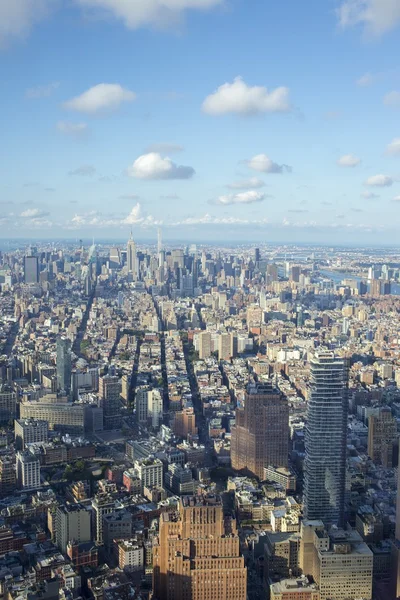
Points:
x=214, y=119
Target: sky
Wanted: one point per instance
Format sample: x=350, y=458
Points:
x=211, y=119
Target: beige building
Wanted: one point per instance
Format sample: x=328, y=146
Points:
x=204, y=344
x=130, y=555
x=72, y=523
x=294, y=589
x=197, y=554
x=60, y=415
x=339, y=561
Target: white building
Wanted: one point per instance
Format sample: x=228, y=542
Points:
x=155, y=407
x=150, y=472
x=28, y=471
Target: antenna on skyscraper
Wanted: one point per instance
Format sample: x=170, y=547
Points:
x=159, y=240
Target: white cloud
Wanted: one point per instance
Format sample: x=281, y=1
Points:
x=379, y=181
x=239, y=98
x=392, y=99
x=73, y=129
x=164, y=148
x=396, y=199
x=42, y=91
x=100, y=98
x=154, y=166
x=101, y=221
x=369, y=196
x=136, y=217
x=394, y=147
x=253, y=184
x=365, y=80
x=18, y=16
x=145, y=13
x=263, y=164
x=242, y=198
x=348, y=160
x=376, y=16
x=208, y=219
x=33, y=213
x=83, y=171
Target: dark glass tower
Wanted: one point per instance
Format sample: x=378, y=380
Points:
x=325, y=440
x=64, y=365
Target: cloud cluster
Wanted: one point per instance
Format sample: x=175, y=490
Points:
x=72, y=129
x=394, y=147
x=83, y=171
x=18, y=16
x=154, y=166
x=249, y=197
x=379, y=181
x=376, y=16
x=392, y=99
x=34, y=213
x=147, y=13
x=248, y=184
x=42, y=91
x=365, y=80
x=100, y=98
x=242, y=99
x=348, y=160
x=263, y=164
x=96, y=219
x=208, y=219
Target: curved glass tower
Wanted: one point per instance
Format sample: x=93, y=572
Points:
x=325, y=440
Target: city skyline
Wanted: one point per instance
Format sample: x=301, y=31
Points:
x=249, y=140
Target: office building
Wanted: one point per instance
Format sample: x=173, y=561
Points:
x=382, y=437
x=197, y=556
x=339, y=561
x=28, y=471
x=102, y=504
x=131, y=258
x=300, y=588
x=325, y=440
x=64, y=364
x=72, y=524
x=31, y=269
x=150, y=472
x=130, y=555
x=8, y=405
x=185, y=423
x=155, y=407
x=141, y=404
x=61, y=416
x=117, y=525
x=29, y=431
x=8, y=476
x=260, y=436
x=110, y=401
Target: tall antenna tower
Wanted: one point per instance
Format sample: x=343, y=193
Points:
x=159, y=240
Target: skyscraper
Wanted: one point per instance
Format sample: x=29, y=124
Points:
x=382, y=437
x=325, y=440
x=132, y=257
x=64, y=365
x=197, y=556
x=31, y=269
x=260, y=436
x=110, y=398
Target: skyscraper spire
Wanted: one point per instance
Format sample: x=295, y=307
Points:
x=159, y=240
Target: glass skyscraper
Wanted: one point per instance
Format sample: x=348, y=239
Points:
x=325, y=440
x=64, y=364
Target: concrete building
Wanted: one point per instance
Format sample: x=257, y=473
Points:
x=185, y=423
x=29, y=431
x=110, y=400
x=382, y=437
x=72, y=524
x=150, y=472
x=131, y=256
x=130, y=555
x=204, y=344
x=64, y=364
x=197, y=555
x=8, y=405
x=141, y=404
x=28, y=471
x=31, y=269
x=325, y=440
x=260, y=436
x=300, y=588
x=155, y=407
x=116, y=525
x=61, y=415
x=102, y=504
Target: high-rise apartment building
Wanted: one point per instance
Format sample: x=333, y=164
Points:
x=141, y=404
x=204, y=345
x=8, y=404
x=29, y=431
x=8, y=476
x=185, y=423
x=28, y=471
x=72, y=524
x=197, y=554
x=325, y=440
x=110, y=400
x=64, y=364
x=382, y=437
x=260, y=436
x=155, y=407
x=150, y=472
x=131, y=258
x=31, y=269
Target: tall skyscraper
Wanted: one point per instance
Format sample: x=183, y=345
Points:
x=382, y=437
x=260, y=436
x=110, y=388
x=197, y=556
x=64, y=364
x=132, y=257
x=325, y=440
x=31, y=269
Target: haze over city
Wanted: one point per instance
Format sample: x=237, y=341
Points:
x=217, y=119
